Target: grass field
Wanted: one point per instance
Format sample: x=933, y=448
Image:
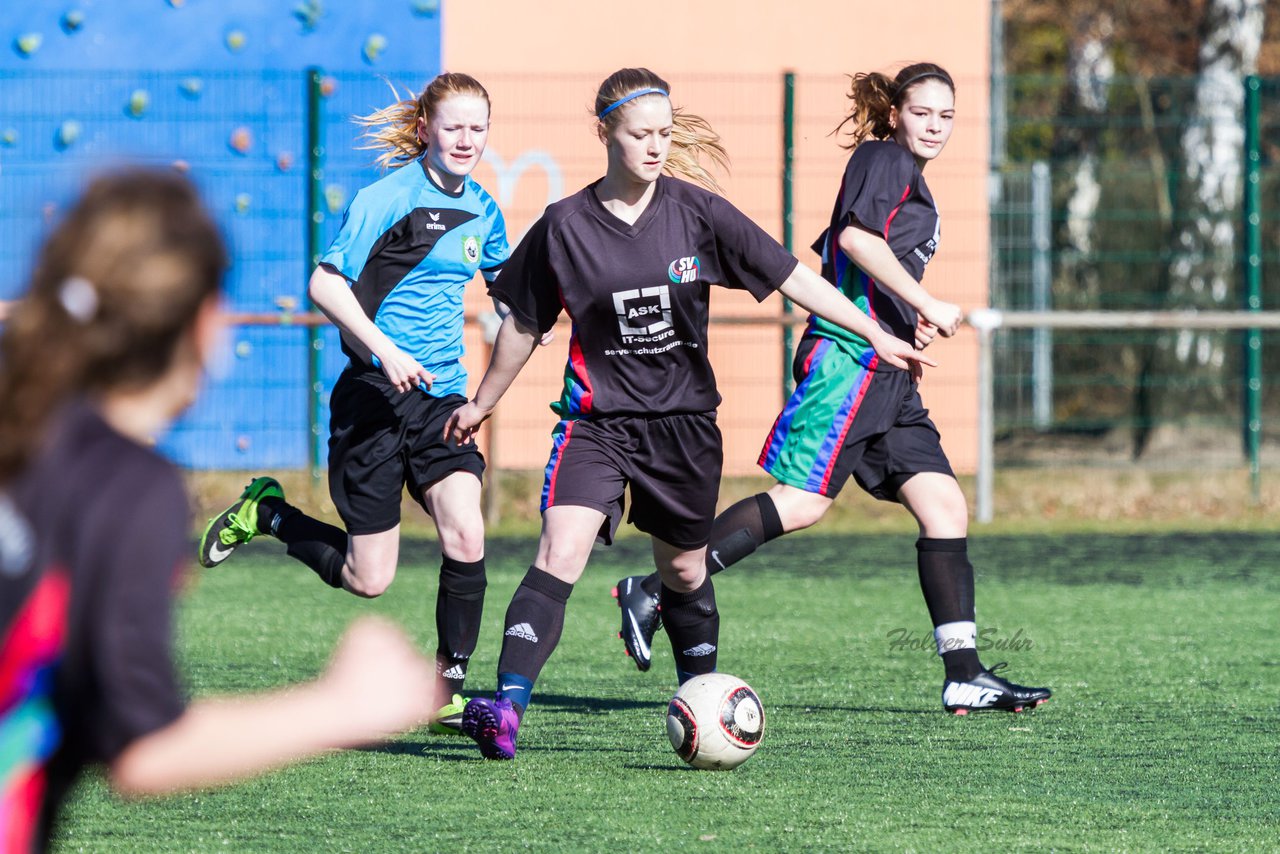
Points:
x=1163, y=733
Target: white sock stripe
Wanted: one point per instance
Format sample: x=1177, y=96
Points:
x=957, y=635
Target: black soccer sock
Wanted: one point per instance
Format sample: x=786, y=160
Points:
x=318, y=544
x=693, y=626
x=533, y=623
x=741, y=529
x=946, y=579
x=736, y=533
x=459, y=604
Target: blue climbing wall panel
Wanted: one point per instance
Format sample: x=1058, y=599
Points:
x=218, y=90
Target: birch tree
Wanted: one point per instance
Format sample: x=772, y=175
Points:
x=1186, y=371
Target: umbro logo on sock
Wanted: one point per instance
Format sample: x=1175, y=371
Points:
x=523, y=631
x=968, y=694
x=702, y=650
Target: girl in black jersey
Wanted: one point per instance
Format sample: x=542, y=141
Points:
x=94, y=529
x=853, y=415
x=631, y=259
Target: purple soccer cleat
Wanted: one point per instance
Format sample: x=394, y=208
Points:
x=493, y=725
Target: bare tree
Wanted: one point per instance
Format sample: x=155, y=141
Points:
x=1090, y=71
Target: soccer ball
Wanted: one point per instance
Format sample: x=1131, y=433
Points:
x=715, y=721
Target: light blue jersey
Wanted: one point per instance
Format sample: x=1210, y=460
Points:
x=409, y=248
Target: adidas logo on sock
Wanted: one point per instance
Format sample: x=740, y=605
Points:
x=523, y=631
x=700, y=651
x=455, y=672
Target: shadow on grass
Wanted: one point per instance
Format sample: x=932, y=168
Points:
x=1162, y=559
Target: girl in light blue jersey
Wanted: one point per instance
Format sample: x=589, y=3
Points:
x=392, y=282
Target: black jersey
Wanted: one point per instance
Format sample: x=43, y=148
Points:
x=638, y=294
x=884, y=191
x=91, y=536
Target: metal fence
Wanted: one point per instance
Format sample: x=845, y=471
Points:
x=243, y=137
x=1086, y=216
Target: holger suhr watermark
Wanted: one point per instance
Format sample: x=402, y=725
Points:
x=906, y=640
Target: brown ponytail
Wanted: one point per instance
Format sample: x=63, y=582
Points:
x=874, y=95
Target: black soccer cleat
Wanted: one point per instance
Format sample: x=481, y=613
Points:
x=641, y=619
x=987, y=692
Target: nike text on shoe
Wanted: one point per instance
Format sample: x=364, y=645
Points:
x=238, y=524
x=448, y=720
x=988, y=692
x=641, y=619
x=492, y=724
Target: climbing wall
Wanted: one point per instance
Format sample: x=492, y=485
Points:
x=217, y=90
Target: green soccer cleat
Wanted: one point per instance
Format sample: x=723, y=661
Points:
x=448, y=721
x=238, y=524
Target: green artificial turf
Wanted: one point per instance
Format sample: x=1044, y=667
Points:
x=1163, y=732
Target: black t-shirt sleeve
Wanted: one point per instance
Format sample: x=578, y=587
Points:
x=131, y=640
x=528, y=284
x=749, y=257
x=877, y=179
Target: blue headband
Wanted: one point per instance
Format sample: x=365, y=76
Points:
x=618, y=103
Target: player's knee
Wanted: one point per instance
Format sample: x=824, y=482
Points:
x=946, y=519
x=369, y=580
x=464, y=542
x=802, y=511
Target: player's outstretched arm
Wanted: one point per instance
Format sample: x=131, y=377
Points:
x=815, y=294
x=512, y=349
x=332, y=295
x=376, y=685
x=874, y=257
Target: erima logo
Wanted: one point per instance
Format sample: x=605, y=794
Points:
x=702, y=650
x=968, y=694
x=434, y=225
x=684, y=269
x=435, y=217
x=523, y=631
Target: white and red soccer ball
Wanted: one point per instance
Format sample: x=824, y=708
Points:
x=715, y=721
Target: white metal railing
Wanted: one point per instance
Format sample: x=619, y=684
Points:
x=987, y=320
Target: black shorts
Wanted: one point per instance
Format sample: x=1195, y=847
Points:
x=672, y=464
x=843, y=420
x=382, y=440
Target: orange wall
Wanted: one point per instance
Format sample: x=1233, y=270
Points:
x=541, y=63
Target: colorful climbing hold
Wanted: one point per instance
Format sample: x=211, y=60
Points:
x=67, y=134
x=28, y=43
x=72, y=21
x=335, y=198
x=191, y=87
x=241, y=140
x=374, y=45
x=235, y=40
x=139, y=100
